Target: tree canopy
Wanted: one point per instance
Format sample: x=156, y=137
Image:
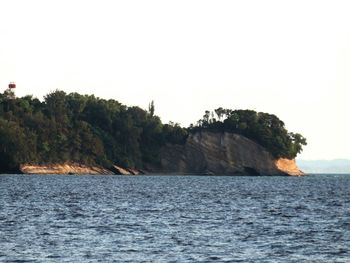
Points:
x=80, y=128
x=265, y=129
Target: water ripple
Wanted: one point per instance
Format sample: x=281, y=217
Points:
x=174, y=219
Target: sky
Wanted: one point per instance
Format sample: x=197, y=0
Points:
x=288, y=58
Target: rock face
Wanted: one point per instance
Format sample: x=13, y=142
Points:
x=203, y=153
x=289, y=167
x=223, y=154
x=76, y=168
x=63, y=169
x=126, y=171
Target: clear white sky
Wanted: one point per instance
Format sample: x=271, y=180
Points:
x=290, y=58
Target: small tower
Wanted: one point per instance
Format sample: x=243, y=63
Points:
x=9, y=93
x=12, y=85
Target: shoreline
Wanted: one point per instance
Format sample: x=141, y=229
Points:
x=81, y=169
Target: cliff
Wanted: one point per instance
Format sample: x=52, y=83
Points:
x=203, y=153
x=222, y=154
x=289, y=167
x=76, y=168
x=72, y=168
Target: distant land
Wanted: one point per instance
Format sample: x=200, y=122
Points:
x=325, y=166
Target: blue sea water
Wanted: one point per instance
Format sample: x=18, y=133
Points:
x=56, y=218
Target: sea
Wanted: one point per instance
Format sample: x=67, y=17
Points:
x=84, y=218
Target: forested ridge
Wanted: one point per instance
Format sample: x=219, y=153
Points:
x=264, y=128
x=94, y=131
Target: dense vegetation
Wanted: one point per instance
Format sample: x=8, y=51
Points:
x=80, y=128
x=89, y=130
x=266, y=129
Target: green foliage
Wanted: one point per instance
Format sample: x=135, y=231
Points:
x=80, y=128
x=266, y=129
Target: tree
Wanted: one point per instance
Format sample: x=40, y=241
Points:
x=205, y=120
x=151, y=108
x=220, y=113
x=9, y=94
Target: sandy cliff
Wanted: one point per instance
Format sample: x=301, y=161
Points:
x=223, y=154
x=75, y=168
x=288, y=166
x=72, y=168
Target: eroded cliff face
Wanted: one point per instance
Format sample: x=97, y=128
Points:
x=76, y=168
x=289, y=167
x=223, y=154
x=72, y=168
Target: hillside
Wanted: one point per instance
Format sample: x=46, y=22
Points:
x=83, y=129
